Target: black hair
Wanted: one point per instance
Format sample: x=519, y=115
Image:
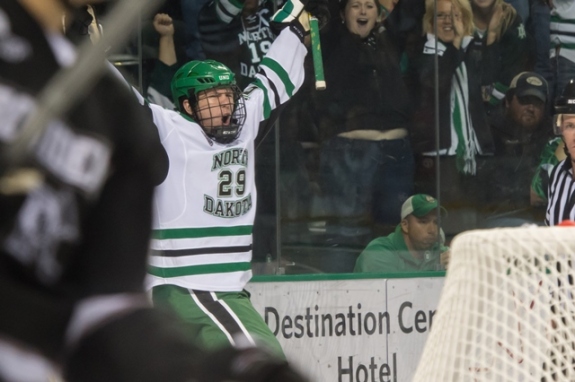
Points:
x=343, y=3
x=77, y=31
x=509, y=94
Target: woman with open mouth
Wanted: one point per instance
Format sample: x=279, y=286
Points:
x=366, y=161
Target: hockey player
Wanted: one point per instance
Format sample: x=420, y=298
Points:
x=75, y=225
x=204, y=210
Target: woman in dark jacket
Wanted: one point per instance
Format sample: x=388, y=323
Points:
x=367, y=166
x=464, y=134
x=499, y=47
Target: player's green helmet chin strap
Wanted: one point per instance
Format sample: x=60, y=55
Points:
x=197, y=76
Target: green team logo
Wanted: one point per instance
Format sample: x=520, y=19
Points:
x=521, y=31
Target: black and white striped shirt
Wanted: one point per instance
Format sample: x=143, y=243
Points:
x=561, y=202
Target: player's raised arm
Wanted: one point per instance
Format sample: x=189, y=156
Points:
x=282, y=69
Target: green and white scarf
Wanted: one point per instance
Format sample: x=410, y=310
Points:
x=463, y=140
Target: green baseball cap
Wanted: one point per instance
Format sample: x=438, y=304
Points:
x=419, y=205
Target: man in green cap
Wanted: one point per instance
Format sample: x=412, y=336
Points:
x=416, y=244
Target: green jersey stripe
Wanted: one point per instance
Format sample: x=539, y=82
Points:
x=192, y=233
x=282, y=74
x=568, y=45
x=288, y=7
x=559, y=19
x=237, y=4
x=284, y=15
x=198, y=269
x=267, y=106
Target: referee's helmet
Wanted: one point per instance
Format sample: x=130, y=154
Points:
x=564, y=104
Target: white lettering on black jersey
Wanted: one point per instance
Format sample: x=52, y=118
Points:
x=14, y=107
x=48, y=218
x=77, y=159
x=13, y=49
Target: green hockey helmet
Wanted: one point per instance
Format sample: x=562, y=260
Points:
x=196, y=76
x=222, y=121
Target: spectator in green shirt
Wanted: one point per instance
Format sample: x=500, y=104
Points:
x=416, y=244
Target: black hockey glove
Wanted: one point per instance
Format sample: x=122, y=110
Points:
x=246, y=365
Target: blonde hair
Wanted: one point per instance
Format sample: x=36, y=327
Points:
x=466, y=15
x=509, y=14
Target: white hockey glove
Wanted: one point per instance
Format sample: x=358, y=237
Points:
x=295, y=14
x=292, y=15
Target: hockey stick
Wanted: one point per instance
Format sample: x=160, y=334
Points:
x=70, y=84
x=316, y=53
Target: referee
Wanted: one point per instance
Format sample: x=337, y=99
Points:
x=561, y=201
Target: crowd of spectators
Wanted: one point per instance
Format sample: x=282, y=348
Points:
x=453, y=102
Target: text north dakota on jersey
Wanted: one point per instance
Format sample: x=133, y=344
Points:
x=227, y=209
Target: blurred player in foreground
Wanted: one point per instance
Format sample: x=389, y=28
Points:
x=74, y=233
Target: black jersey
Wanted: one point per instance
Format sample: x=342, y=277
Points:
x=76, y=212
x=240, y=42
x=255, y=39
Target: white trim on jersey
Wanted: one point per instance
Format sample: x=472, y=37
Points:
x=226, y=10
x=245, y=331
x=228, y=322
x=212, y=317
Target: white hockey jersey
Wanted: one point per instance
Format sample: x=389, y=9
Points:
x=205, y=208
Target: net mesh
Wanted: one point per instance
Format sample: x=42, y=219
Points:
x=506, y=312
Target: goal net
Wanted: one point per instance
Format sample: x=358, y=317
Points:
x=506, y=312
